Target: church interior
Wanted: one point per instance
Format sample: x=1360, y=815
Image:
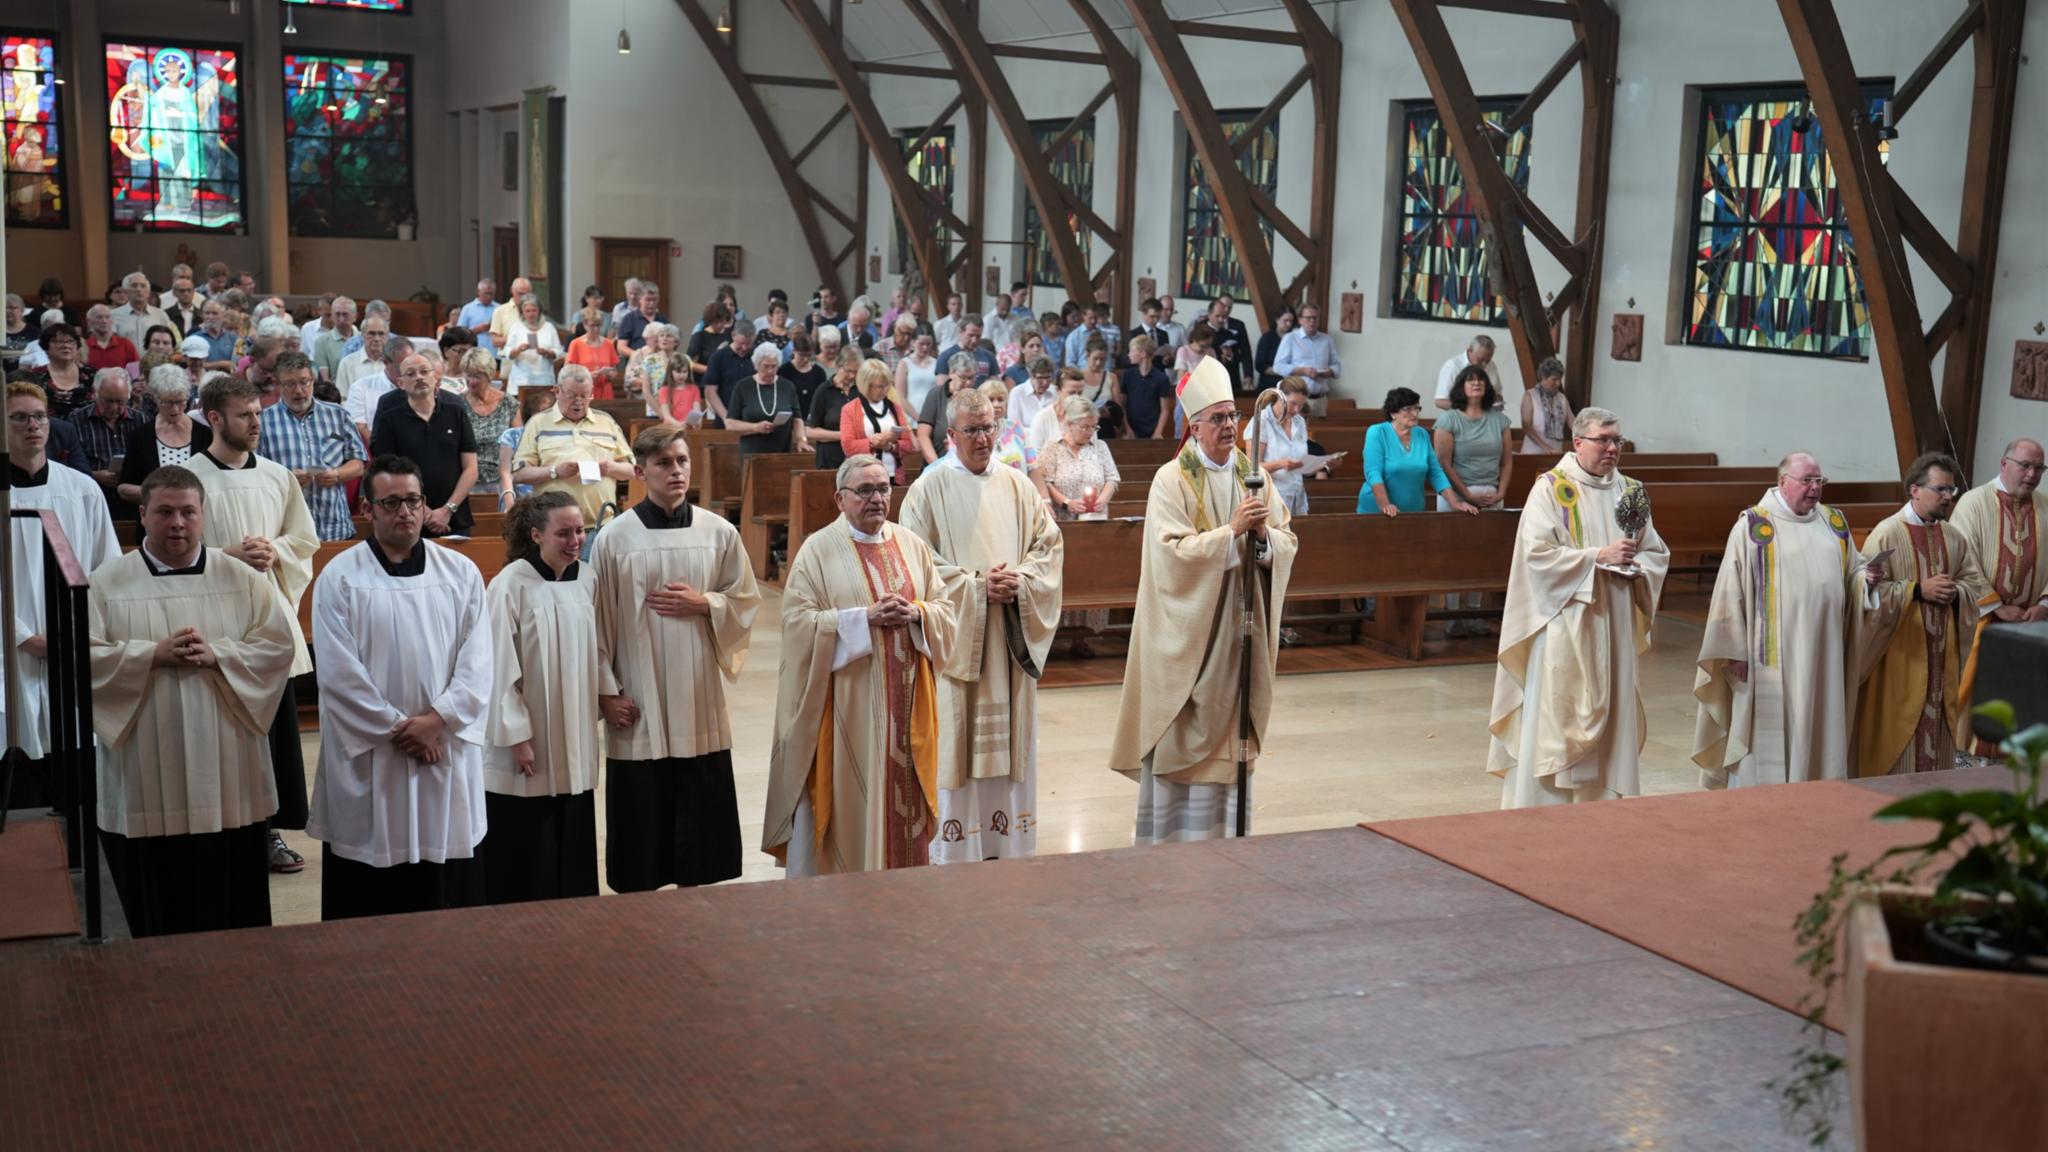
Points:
x=1717, y=251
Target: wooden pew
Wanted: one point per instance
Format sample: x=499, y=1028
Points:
x=764, y=504
x=718, y=477
x=812, y=504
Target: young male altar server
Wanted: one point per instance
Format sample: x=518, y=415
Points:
x=675, y=612
x=540, y=769
x=1906, y=717
x=1568, y=719
x=256, y=513
x=1795, y=622
x=1176, y=728
x=81, y=510
x=404, y=647
x=853, y=774
x=2006, y=525
x=189, y=653
x=999, y=559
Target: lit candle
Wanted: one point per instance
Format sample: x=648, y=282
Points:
x=1088, y=500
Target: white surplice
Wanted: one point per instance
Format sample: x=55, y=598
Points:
x=391, y=647
x=544, y=646
x=265, y=501
x=81, y=510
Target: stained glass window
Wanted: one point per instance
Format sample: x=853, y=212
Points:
x=1209, y=266
x=28, y=128
x=1073, y=168
x=931, y=166
x=1440, y=270
x=363, y=5
x=1774, y=266
x=174, y=130
x=348, y=145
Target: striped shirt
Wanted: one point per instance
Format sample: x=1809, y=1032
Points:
x=324, y=438
x=101, y=441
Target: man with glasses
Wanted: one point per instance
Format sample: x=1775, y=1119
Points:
x=852, y=775
x=1794, y=604
x=404, y=645
x=1568, y=720
x=1206, y=533
x=317, y=441
x=999, y=559
x=1906, y=710
x=1310, y=353
x=365, y=361
x=434, y=433
x=2006, y=525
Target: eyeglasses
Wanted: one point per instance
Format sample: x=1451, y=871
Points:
x=2025, y=468
x=1221, y=420
x=1939, y=489
x=978, y=432
x=1810, y=481
x=1603, y=441
x=27, y=419
x=394, y=503
x=868, y=491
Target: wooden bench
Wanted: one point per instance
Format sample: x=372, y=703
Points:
x=764, y=504
x=812, y=504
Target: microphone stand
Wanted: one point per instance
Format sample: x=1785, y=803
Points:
x=1254, y=484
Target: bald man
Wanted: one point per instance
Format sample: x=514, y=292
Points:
x=2006, y=525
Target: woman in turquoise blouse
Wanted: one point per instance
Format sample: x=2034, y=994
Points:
x=1401, y=467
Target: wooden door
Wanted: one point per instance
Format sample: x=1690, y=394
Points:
x=620, y=259
x=505, y=258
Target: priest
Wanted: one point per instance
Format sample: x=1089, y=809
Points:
x=404, y=646
x=1793, y=627
x=999, y=557
x=1568, y=721
x=189, y=653
x=1905, y=715
x=1177, y=723
x=82, y=513
x=2006, y=525
x=257, y=514
x=853, y=774
x=675, y=613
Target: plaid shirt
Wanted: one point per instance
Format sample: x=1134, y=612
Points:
x=102, y=441
x=322, y=439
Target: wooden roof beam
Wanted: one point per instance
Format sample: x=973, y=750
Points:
x=1958, y=34
x=1122, y=65
x=1526, y=110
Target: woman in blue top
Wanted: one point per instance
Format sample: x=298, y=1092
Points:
x=1401, y=467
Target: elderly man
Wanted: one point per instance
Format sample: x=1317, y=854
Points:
x=368, y=392
x=318, y=442
x=134, y=319
x=104, y=430
x=1796, y=616
x=323, y=319
x=328, y=347
x=902, y=334
x=1568, y=720
x=860, y=328
x=1479, y=352
x=181, y=304
x=628, y=305
x=1906, y=716
x=220, y=339
x=1177, y=722
x=104, y=347
x=2006, y=525
x=577, y=449
x=999, y=558
x=505, y=315
x=1001, y=324
x=970, y=342
x=367, y=361
x=433, y=432
x=632, y=330
x=852, y=775
x=1310, y=353
x=476, y=315
x=179, y=271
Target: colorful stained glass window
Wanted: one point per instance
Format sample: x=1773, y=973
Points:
x=1208, y=266
x=1440, y=270
x=348, y=145
x=28, y=126
x=931, y=166
x=174, y=129
x=1073, y=168
x=362, y=5
x=1774, y=265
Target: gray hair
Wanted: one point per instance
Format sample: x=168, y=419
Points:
x=106, y=376
x=399, y=350
x=961, y=363
x=966, y=402
x=767, y=351
x=1551, y=367
x=275, y=328
x=1589, y=418
x=743, y=328
x=853, y=464
x=526, y=298
x=17, y=301
x=376, y=308
x=574, y=374
x=134, y=278
x=830, y=335
x=171, y=385
x=1075, y=408
x=655, y=331
x=99, y=310
x=1481, y=341
x=632, y=285
x=341, y=302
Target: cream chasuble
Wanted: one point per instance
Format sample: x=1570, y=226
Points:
x=675, y=670
x=81, y=510
x=544, y=648
x=185, y=750
x=264, y=501
x=1568, y=721
x=1905, y=718
x=1791, y=601
x=1177, y=719
x=853, y=774
x=988, y=686
x=2008, y=539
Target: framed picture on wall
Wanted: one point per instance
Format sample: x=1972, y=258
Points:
x=508, y=158
x=725, y=261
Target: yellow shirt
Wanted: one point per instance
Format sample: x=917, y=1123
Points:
x=502, y=318
x=549, y=439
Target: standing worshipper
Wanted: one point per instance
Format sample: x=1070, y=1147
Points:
x=1177, y=722
x=1906, y=714
x=317, y=441
x=432, y=431
x=675, y=610
x=1568, y=721
x=189, y=653
x=1795, y=620
x=853, y=774
x=256, y=514
x=404, y=644
x=2006, y=525
x=999, y=558
x=545, y=745
x=81, y=510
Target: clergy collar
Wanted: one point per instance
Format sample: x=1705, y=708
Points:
x=1915, y=519
x=160, y=568
x=952, y=460
x=414, y=564
x=656, y=518
x=860, y=537
x=36, y=479
x=1998, y=485
x=1778, y=507
x=547, y=573
x=1578, y=472
x=1202, y=454
x=246, y=465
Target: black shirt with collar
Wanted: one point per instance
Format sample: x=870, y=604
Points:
x=435, y=444
x=655, y=519
x=36, y=479
x=196, y=568
x=549, y=574
x=727, y=370
x=414, y=564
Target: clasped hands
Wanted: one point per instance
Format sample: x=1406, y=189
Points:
x=255, y=551
x=185, y=648
x=2014, y=614
x=1002, y=585
x=420, y=736
x=893, y=611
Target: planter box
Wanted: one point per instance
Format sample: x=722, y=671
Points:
x=1940, y=1057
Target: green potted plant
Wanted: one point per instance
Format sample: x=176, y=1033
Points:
x=1941, y=949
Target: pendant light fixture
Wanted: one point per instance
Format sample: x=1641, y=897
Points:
x=625, y=38
x=290, y=27
x=725, y=19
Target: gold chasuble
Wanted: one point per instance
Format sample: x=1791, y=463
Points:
x=853, y=774
x=2008, y=539
x=1568, y=720
x=1905, y=718
x=1178, y=713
